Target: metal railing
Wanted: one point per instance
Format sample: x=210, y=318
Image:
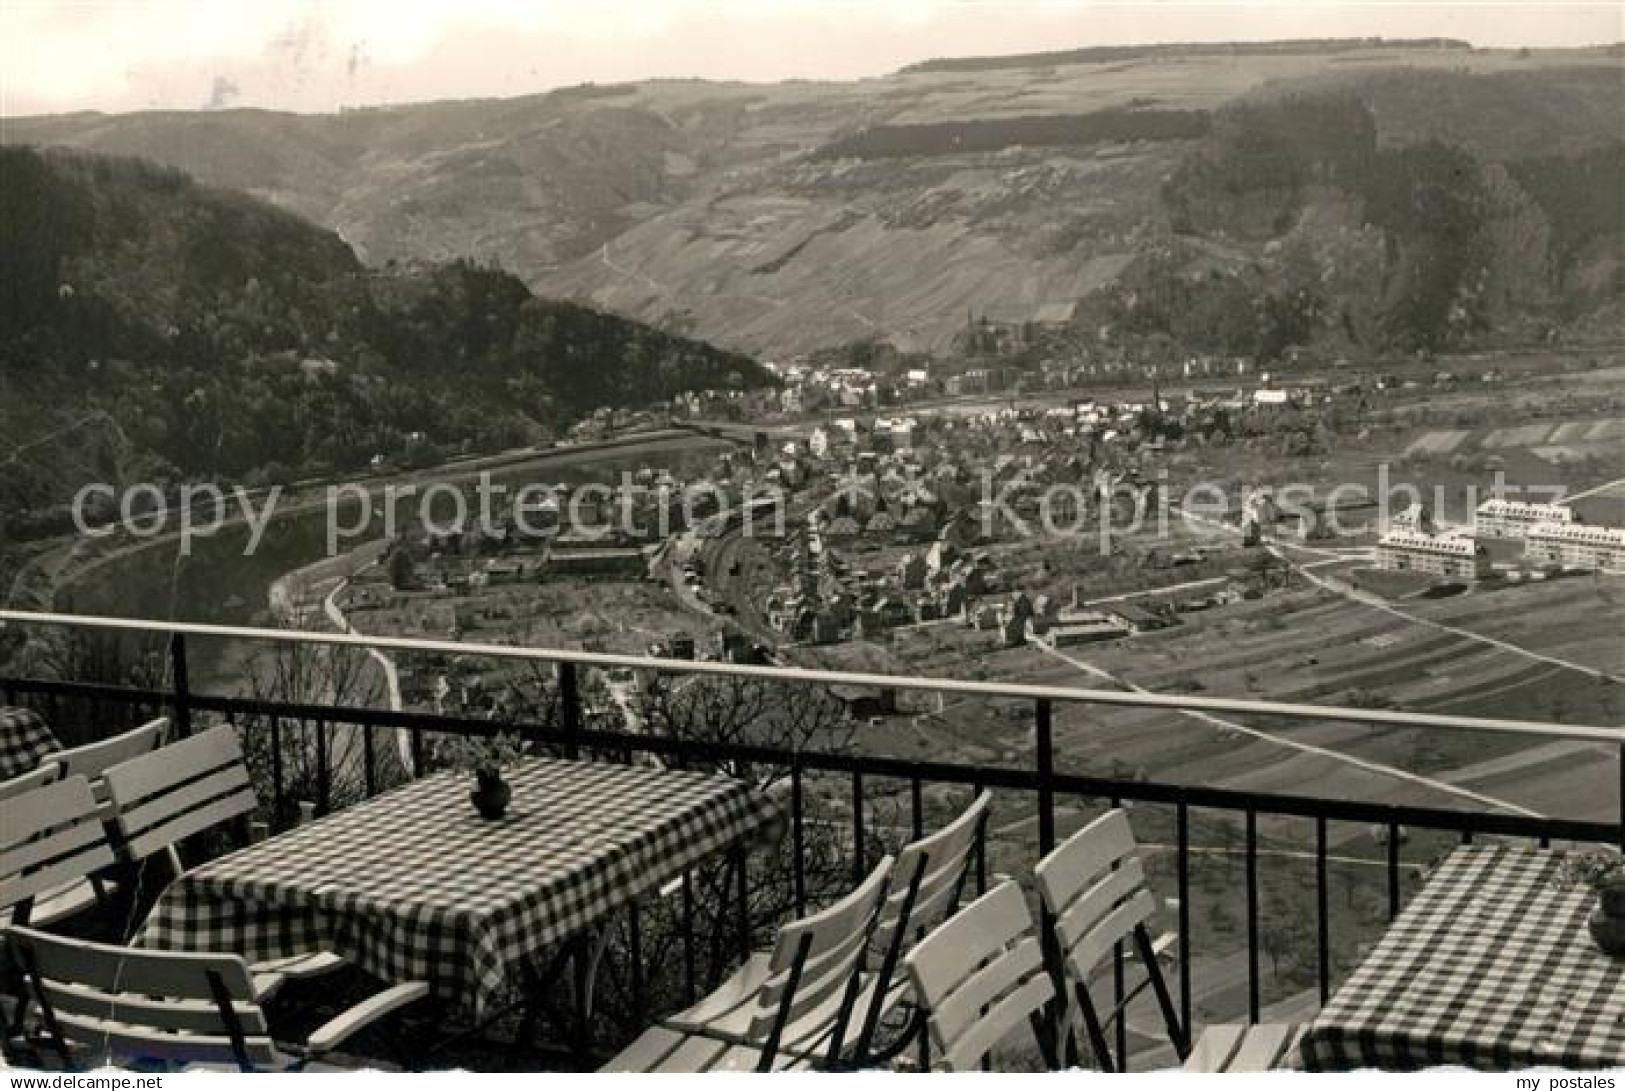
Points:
x=569, y=732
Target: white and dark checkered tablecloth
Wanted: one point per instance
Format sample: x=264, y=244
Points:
x=25, y=741
x=1490, y=967
x=414, y=885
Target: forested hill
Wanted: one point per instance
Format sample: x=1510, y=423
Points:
x=1267, y=181
x=152, y=327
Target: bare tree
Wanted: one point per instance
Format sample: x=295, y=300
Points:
x=95, y=657
x=324, y=762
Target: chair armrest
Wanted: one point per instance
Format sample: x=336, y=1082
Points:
x=331, y=1034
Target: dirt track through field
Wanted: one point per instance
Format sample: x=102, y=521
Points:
x=1302, y=747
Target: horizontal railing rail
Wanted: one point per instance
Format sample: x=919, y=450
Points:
x=962, y=687
x=569, y=732
x=1285, y=804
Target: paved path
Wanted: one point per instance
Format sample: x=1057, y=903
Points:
x=1593, y=491
x=1379, y=768
x=1376, y=602
x=1524, y=758
x=1366, y=598
x=1189, y=585
x=392, y=674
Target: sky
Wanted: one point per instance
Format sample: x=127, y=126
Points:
x=322, y=55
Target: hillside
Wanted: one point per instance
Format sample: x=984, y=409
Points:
x=779, y=219
x=155, y=329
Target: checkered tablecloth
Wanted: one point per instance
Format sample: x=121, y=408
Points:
x=1490, y=967
x=414, y=885
x=24, y=741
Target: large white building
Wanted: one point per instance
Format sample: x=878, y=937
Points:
x=1576, y=545
x=1500, y=518
x=1457, y=556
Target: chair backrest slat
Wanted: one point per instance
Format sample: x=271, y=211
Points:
x=964, y=1007
x=158, y=810
x=132, y=1004
x=191, y=1016
x=26, y=816
x=48, y=772
x=945, y=857
x=49, y=847
x=1095, y=888
x=980, y=975
x=180, y=790
x=1074, y=864
x=1087, y=953
x=49, y=836
x=94, y=759
x=1034, y=991
x=1091, y=909
x=829, y=945
x=822, y=978
x=106, y=1038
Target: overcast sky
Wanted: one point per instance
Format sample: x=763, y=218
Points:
x=324, y=54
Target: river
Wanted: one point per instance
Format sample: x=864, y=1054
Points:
x=219, y=584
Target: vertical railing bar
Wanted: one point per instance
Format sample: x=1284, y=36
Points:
x=1253, y=1002
x=799, y=838
x=1119, y=986
x=690, y=977
x=247, y=822
x=570, y=709
x=324, y=770
x=858, y=868
x=279, y=798
x=634, y=925
x=742, y=907
x=981, y=849
x=1044, y=768
x=1323, y=922
x=369, y=759
x=1393, y=869
x=420, y=752
x=1183, y=838
x=181, y=686
x=1044, y=743
x=1622, y=797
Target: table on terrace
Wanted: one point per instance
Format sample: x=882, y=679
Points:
x=1490, y=967
x=25, y=741
x=414, y=885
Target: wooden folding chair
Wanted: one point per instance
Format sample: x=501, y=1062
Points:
x=1094, y=885
x=776, y=1011
x=979, y=976
x=92, y=760
x=159, y=799
x=101, y=1004
x=51, y=838
x=48, y=772
x=927, y=882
